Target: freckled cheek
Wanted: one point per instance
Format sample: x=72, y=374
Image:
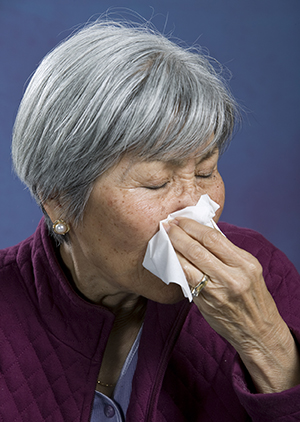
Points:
x=134, y=223
x=143, y=219
x=218, y=195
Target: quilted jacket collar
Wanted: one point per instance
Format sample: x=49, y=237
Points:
x=70, y=318
x=155, y=349
x=85, y=327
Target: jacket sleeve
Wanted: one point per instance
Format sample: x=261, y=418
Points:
x=283, y=281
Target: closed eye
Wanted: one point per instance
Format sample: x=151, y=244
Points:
x=204, y=176
x=156, y=187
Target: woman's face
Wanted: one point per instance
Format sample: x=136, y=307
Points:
x=124, y=211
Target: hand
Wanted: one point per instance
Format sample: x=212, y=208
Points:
x=237, y=304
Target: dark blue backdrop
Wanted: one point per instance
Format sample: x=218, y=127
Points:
x=258, y=40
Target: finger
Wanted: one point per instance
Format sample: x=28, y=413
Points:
x=192, y=274
x=214, y=241
x=196, y=254
x=235, y=271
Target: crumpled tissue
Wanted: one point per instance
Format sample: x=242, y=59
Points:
x=160, y=258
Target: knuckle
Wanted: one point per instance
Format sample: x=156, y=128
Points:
x=252, y=272
x=250, y=264
x=254, y=268
x=210, y=238
x=194, y=252
x=241, y=287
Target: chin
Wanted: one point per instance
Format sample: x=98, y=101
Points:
x=175, y=294
x=167, y=294
x=153, y=288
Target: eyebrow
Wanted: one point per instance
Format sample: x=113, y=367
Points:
x=209, y=154
x=202, y=158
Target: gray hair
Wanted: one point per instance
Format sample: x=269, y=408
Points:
x=108, y=90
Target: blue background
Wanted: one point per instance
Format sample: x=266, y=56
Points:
x=258, y=40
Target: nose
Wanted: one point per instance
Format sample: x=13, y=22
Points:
x=187, y=194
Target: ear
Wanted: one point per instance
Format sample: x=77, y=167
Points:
x=53, y=208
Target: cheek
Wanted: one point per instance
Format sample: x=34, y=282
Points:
x=217, y=194
x=143, y=218
x=133, y=221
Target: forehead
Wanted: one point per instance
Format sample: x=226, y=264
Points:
x=197, y=156
x=129, y=164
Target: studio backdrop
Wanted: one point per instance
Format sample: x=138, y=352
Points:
x=256, y=40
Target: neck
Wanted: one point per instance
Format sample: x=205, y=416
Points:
x=124, y=305
x=128, y=315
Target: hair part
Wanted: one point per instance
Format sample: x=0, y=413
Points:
x=109, y=90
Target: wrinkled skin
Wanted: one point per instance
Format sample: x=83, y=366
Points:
x=106, y=251
x=121, y=216
x=237, y=304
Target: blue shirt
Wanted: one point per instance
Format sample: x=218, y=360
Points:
x=114, y=410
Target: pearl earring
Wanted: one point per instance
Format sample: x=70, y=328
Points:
x=61, y=227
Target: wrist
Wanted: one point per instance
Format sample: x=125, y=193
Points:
x=273, y=362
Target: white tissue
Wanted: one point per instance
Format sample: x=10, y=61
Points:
x=160, y=257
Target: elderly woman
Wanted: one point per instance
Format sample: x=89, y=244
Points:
x=118, y=128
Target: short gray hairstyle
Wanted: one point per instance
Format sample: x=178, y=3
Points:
x=112, y=89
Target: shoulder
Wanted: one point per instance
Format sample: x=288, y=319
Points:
x=15, y=257
x=18, y=269
x=23, y=256
x=256, y=244
x=281, y=276
x=244, y=238
x=16, y=275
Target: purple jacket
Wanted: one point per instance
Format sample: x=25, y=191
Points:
x=52, y=342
